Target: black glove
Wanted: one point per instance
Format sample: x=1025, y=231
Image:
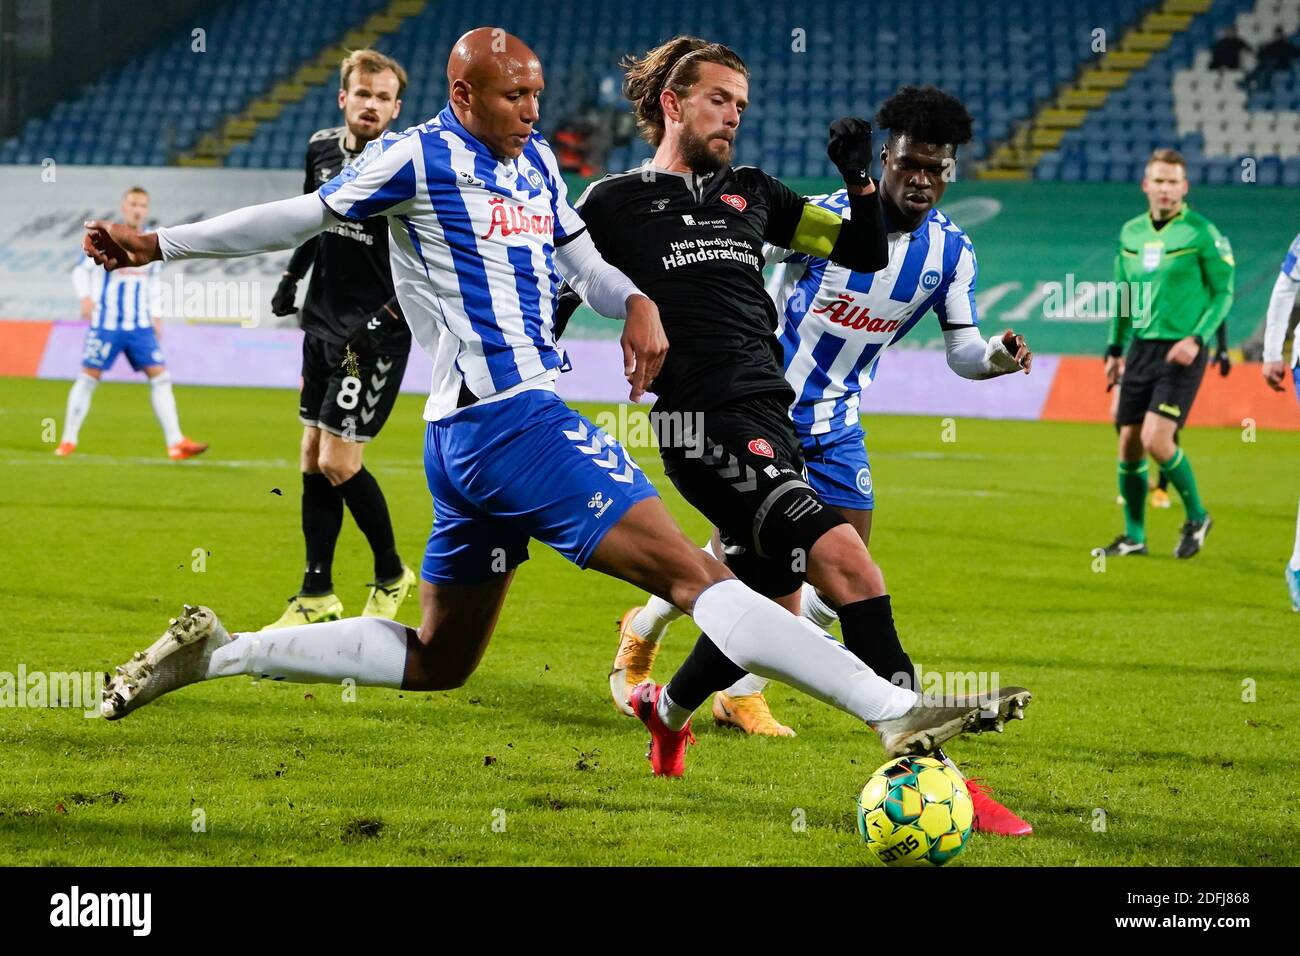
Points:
x=285, y=293
x=365, y=340
x=849, y=148
x=1224, y=361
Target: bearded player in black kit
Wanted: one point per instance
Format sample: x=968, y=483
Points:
x=689, y=230
x=354, y=354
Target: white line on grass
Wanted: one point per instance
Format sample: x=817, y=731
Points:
x=269, y=463
x=165, y=462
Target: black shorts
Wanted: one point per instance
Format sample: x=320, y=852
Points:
x=352, y=407
x=1153, y=384
x=742, y=468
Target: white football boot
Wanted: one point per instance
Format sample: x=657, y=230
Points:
x=177, y=658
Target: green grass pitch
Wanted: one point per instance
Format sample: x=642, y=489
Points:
x=1138, y=749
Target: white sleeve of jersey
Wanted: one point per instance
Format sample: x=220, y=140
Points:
x=379, y=182
x=600, y=285
x=1280, y=304
x=270, y=227
x=970, y=356
x=956, y=306
x=567, y=220
x=1291, y=264
x=82, y=275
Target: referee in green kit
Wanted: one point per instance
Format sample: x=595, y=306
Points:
x=1177, y=270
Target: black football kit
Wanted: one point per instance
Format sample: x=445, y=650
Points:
x=694, y=244
x=351, y=283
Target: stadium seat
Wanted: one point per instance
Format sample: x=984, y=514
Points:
x=971, y=50
x=1005, y=60
x=1209, y=114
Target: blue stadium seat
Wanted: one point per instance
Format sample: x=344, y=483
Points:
x=250, y=45
x=1005, y=60
x=1146, y=113
x=1291, y=172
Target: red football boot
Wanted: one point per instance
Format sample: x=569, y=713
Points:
x=991, y=816
x=185, y=448
x=667, y=746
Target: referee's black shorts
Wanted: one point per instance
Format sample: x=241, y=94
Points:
x=1151, y=383
x=742, y=468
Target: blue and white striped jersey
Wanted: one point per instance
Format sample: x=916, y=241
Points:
x=833, y=324
x=472, y=249
x=1291, y=269
x=1291, y=264
x=125, y=299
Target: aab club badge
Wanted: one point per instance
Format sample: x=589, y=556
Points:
x=760, y=446
x=737, y=203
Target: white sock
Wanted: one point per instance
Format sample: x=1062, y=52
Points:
x=1294, y=564
x=749, y=684
x=164, y=406
x=652, y=621
x=369, y=650
x=813, y=608
x=763, y=637
x=83, y=387
x=670, y=713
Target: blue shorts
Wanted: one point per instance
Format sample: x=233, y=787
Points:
x=1295, y=377
x=838, y=469
x=103, y=346
x=524, y=467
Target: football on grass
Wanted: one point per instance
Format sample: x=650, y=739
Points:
x=915, y=811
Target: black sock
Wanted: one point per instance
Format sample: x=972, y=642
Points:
x=366, y=501
x=322, y=518
x=705, y=670
x=869, y=633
